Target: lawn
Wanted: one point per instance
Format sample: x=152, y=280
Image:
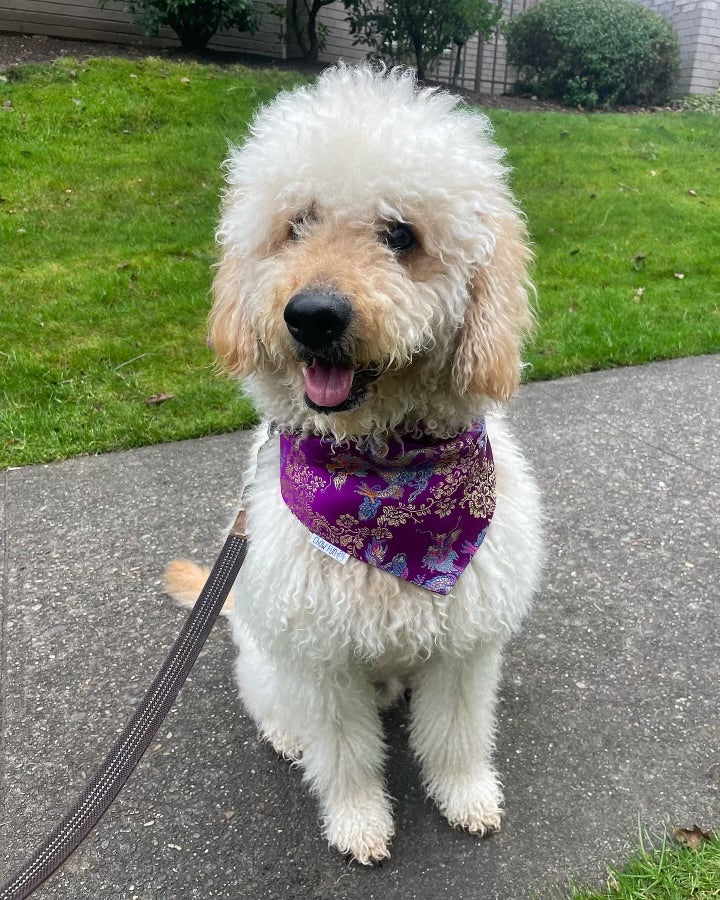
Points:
x=109, y=185
x=662, y=870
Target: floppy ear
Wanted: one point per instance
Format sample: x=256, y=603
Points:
x=498, y=318
x=231, y=334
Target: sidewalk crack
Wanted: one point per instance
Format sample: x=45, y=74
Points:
x=661, y=451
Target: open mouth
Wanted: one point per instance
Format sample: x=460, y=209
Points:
x=336, y=386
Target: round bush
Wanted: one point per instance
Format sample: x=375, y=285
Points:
x=593, y=52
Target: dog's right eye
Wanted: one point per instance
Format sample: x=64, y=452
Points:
x=299, y=224
x=398, y=237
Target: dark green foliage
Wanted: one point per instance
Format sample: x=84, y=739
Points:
x=193, y=21
x=418, y=30
x=594, y=52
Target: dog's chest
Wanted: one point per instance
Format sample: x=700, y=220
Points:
x=296, y=594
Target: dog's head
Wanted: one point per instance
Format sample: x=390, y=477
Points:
x=373, y=268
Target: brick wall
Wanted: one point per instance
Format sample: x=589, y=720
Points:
x=697, y=23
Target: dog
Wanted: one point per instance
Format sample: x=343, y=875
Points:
x=373, y=296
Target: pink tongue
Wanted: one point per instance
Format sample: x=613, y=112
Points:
x=327, y=384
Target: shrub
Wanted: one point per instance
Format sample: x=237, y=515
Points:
x=593, y=52
x=399, y=30
x=193, y=21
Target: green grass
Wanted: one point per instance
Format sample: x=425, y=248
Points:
x=614, y=223
x=666, y=872
x=110, y=179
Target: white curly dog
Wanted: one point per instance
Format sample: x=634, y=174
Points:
x=373, y=289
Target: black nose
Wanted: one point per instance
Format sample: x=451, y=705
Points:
x=317, y=318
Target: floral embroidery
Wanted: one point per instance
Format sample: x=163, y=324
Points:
x=420, y=511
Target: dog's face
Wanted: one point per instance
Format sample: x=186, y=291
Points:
x=373, y=268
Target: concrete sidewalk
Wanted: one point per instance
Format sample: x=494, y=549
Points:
x=610, y=704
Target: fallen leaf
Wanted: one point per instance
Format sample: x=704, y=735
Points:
x=693, y=838
x=679, y=275
x=7, y=104
x=692, y=193
x=123, y=265
x=132, y=75
x=639, y=257
x=229, y=814
x=185, y=81
x=653, y=172
x=157, y=399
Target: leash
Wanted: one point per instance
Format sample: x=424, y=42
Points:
x=129, y=748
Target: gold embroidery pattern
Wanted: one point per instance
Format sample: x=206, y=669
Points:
x=426, y=509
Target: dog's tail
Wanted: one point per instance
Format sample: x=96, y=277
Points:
x=184, y=580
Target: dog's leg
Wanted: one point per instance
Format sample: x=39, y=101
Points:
x=453, y=724
x=259, y=689
x=343, y=757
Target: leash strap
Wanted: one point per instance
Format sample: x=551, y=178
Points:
x=127, y=751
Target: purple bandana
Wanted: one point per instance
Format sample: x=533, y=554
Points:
x=420, y=511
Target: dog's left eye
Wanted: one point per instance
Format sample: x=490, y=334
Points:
x=398, y=237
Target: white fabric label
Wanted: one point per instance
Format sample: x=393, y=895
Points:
x=337, y=554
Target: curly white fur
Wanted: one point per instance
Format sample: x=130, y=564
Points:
x=329, y=166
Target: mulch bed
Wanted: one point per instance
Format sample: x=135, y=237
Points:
x=18, y=49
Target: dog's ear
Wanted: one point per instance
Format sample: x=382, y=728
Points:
x=231, y=334
x=498, y=318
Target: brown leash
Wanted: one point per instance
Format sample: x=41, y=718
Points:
x=129, y=748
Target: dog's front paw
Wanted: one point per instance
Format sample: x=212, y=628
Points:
x=475, y=806
x=363, y=832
